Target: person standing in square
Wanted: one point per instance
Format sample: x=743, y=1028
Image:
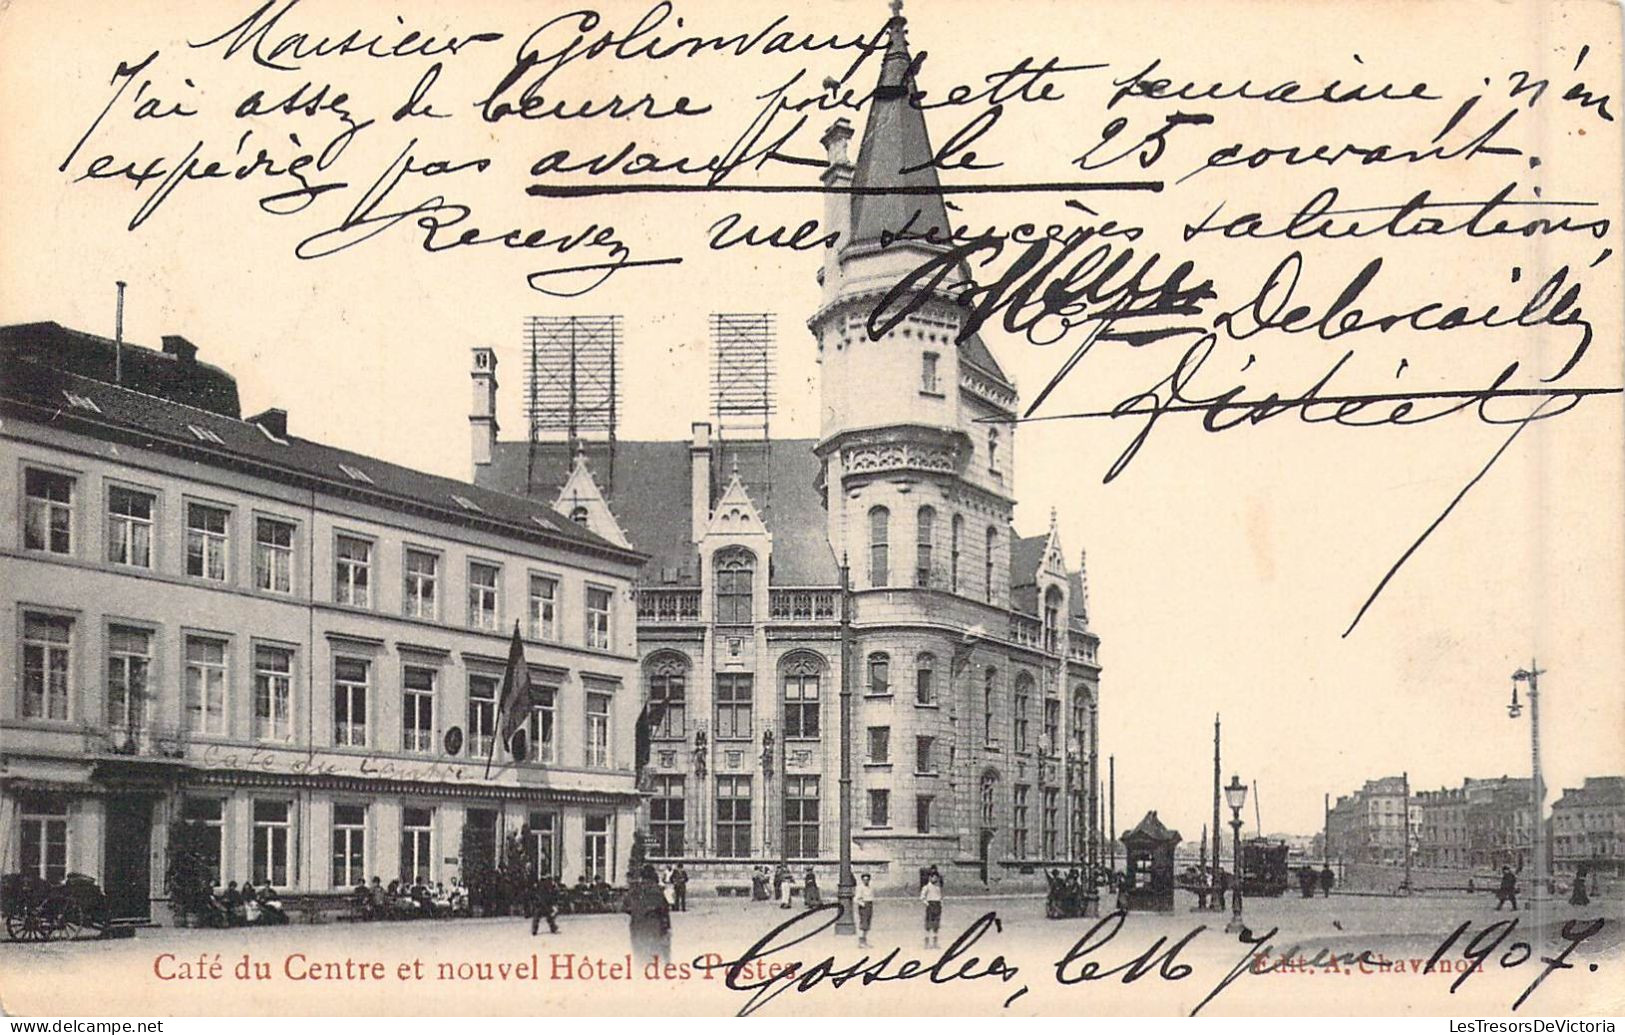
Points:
x=863, y=897
x=931, y=895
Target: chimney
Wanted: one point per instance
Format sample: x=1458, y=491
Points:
x=699, y=465
x=180, y=348
x=483, y=418
x=118, y=336
x=836, y=176
x=273, y=420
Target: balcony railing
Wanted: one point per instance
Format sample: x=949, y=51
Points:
x=1082, y=648
x=1025, y=631
x=802, y=604
x=143, y=741
x=668, y=605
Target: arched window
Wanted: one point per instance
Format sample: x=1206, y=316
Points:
x=957, y=526
x=578, y=514
x=925, y=676
x=989, y=679
x=1020, y=725
x=925, y=528
x=736, y=572
x=990, y=780
x=801, y=674
x=1052, y=619
x=991, y=557
x=879, y=674
x=879, y=540
x=666, y=674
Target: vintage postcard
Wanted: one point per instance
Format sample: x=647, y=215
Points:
x=707, y=507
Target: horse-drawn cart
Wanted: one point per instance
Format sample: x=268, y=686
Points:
x=36, y=910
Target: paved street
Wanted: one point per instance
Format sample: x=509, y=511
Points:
x=495, y=966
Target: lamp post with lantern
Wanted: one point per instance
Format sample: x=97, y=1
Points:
x=1235, y=795
x=1537, y=789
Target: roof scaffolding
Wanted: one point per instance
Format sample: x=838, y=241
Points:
x=573, y=381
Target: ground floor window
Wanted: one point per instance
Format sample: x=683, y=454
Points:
x=801, y=816
x=596, y=848
x=45, y=839
x=666, y=816
x=271, y=842
x=349, y=845
x=733, y=816
x=211, y=813
x=544, y=841
x=1051, y=815
x=880, y=808
x=1018, y=822
x=417, y=826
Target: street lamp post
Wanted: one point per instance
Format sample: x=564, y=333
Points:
x=1537, y=789
x=1235, y=795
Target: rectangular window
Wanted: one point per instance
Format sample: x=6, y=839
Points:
x=1018, y=822
x=598, y=604
x=271, y=843
x=925, y=539
x=801, y=705
x=733, y=816
x=801, y=816
x=544, y=602
x=733, y=703
x=211, y=812
x=928, y=373
x=47, y=645
x=349, y=845
x=273, y=685
x=422, y=573
x=733, y=591
x=924, y=761
x=417, y=860
x=351, y=678
x=417, y=709
x=880, y=808
x=352, y=571
x=668, y=703
x=667, y=808
x=129, y=662
x=544, y=842
x=925, y=683
x=206, y=685
x=1051, y=820
x=879, y=745
x=542, y=737
x=48, y=516
x=598, y=731
x=482, y=715
x=1021, y=724
x=44, y=841
x=129, y=526
x=879, y=546
x=879, y=675
x=273, y=555
x=595, y=849
x=207, y=540
x=482, y=595
x=922, y=814
x=1052, y=726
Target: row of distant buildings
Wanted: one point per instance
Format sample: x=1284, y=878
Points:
x=1483, y=824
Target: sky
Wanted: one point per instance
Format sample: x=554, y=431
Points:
x=1223, y=568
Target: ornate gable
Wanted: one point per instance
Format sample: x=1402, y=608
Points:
x=582, y=501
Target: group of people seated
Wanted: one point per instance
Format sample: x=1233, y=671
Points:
x=249, y=905
x=594, y=896
x=409, y=899
x=1069, y=894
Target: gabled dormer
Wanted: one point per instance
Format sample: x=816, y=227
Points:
x=583, y=502
x=736, y=554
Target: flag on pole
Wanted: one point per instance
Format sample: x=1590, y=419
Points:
x=513, y=704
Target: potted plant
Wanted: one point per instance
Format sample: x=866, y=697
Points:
x=189, y=878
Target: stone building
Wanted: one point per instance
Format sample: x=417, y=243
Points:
x=1588, y=827
x=972, y=661
x=1500, y=828
x=296, y=645
x=1444, y=841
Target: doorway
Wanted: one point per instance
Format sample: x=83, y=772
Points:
x=127, y=859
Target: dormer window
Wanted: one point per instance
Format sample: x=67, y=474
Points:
x=355, y=474
x=735, y=580
x=1052, y=619
x=578, y=514
x=466, y=503
x=81, y=402
x=203, y=434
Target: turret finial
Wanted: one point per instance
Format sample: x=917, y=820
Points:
x=896, y=8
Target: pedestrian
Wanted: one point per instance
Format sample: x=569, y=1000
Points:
x=1507, y=891
x=544, y=905
x=810, y=896
x=1578, y=896
x=931, y=895
x=1327, y=879
x=863, y=896
x=649, y=918
x=787, y=889
x=1307, y=881
x=679, y=888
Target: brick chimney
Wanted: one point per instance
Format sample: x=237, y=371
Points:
x=699, y=465
x=273, y=420
x=483, y=419
x=180, y=348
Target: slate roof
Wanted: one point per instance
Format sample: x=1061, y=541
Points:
x=1151, y=829
x=170, y=375
x=1598, y=790
x=38, y=392
x=651, y=499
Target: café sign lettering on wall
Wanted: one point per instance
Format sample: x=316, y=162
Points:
x=262, y=760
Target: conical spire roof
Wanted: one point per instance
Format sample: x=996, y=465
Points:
x=895, y=155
